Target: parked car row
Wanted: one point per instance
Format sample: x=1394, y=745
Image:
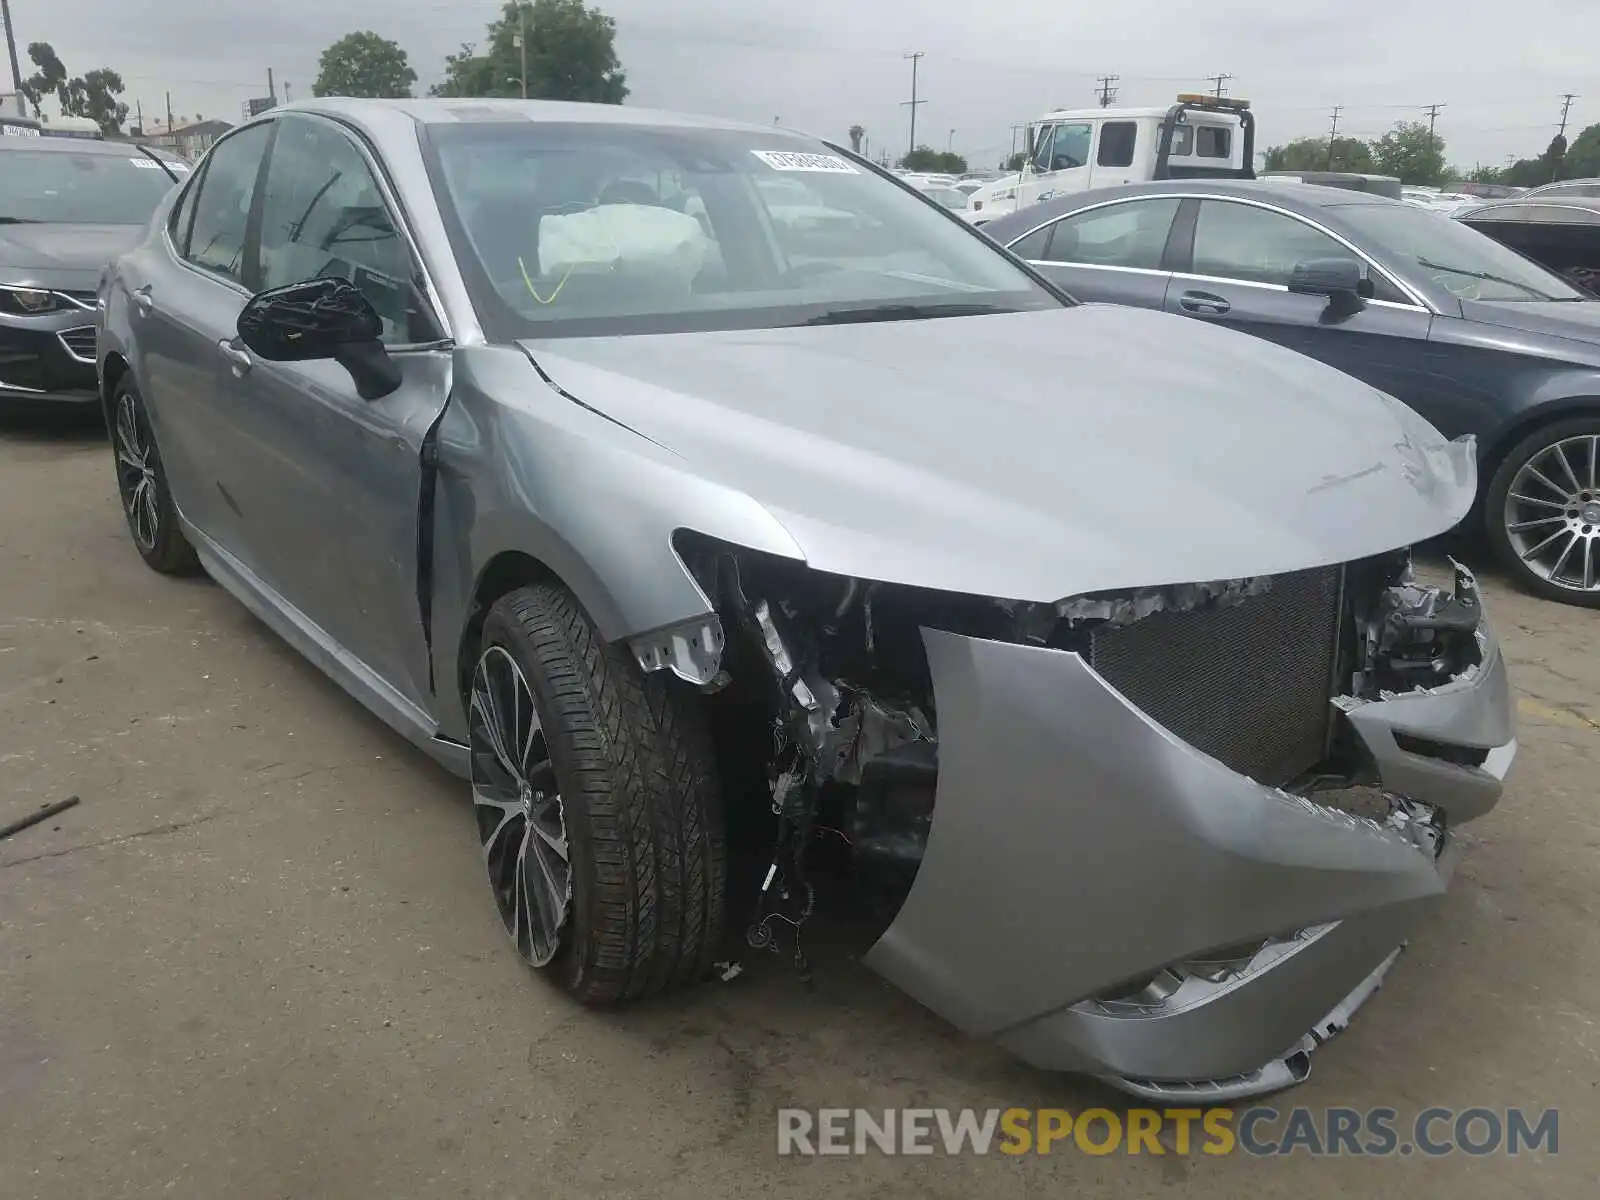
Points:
x=654, y=494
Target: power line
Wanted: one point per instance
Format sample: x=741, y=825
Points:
x=1108, y=90
x=916, y=57
x=1219, y=91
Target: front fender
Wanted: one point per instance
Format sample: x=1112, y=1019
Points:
x=524, y=468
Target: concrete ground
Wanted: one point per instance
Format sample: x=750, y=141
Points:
x=259, y=958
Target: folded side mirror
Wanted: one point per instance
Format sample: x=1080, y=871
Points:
x=1341, y=280
x=321, y=319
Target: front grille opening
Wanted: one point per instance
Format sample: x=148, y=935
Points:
x=79, y=342
x=1461, y=756
x=1248, y=684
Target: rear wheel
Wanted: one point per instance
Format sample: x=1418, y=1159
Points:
x=597, y=804
x=1542, y=511
x=142, y=485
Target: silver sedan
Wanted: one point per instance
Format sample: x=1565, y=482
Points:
x=656, y=513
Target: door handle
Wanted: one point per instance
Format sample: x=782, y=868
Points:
x=143, y=299
x=1203, y=302
x=238, y=357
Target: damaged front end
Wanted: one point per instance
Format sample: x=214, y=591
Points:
x=1170, y=836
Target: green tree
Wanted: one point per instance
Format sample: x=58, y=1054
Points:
x=925, y=158
x=48, y=78
x=857, y=132
x=94, y=95
x=1484, y=174
x=1312, y=154
x=1583, y=156
x=1412, y=153
x=364, y=64
x=570, y=54
x=1014, y=163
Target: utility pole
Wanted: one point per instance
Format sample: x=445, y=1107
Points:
x=11, y=45
x=1566, y=106
x=1433, y=115
x=1333, y=132
x=1219, y=91
x=139, y=108
x=286, y=91
x=915, y=57
x=169, y=116
x=950, y=142
x=522, y=45
x=272, y=90
x=1108, y=90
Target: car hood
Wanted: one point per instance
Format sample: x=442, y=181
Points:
x=1033, y=456
x=66, y=256
x=1578, y=320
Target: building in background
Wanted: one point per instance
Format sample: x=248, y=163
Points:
x=188, y=136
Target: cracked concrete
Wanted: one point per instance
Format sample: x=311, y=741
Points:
x=258, y=960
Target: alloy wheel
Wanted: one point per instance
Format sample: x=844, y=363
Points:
x=521, y=822
x=136, y=472
x=1552, y=513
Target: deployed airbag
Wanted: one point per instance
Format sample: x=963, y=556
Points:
x=664, y=245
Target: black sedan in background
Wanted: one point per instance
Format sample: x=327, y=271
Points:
x=1475, y=337
x=67, y=207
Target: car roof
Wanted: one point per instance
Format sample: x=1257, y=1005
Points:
x=438, y=111
x=77, y=145
x=1304, y=198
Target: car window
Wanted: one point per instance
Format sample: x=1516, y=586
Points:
x=583, y=228
x=182, y=211
x=1452, y=255
x=79, y=187
x=1031, y=246
x=222, y=206
x=323, y=215
x=1131, y=234
x=1064, y=147
x=1182, y=141
x=1117, y=140
x=1242, y=241
x=1213, y=141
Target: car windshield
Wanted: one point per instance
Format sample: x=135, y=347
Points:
x=80, y=188
x=594, y=228
x=1461, y=260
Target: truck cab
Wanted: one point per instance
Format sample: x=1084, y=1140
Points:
x=1073, y=150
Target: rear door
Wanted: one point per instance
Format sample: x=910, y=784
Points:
x=334, y=481
x=1234, y=259
x=185, y=292
x=1112, y=252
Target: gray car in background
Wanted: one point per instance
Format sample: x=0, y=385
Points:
x=653, y=513
x=67, y=207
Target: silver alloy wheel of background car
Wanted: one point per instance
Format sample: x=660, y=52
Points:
x=1552, y=513
x=136, y=477
x=517, y=802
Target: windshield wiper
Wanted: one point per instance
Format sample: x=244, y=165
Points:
x=903, y=312
x=1486, y=276
x=20, y=221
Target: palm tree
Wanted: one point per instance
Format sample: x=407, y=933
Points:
x=857, y=132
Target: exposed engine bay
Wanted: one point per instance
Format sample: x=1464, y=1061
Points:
x=829, y=681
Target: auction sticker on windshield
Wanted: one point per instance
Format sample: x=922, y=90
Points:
x=791, y=160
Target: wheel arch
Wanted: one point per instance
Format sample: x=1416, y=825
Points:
x=1493, y=454
x=112, y=369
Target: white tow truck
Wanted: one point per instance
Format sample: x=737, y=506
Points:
x=1073, y=150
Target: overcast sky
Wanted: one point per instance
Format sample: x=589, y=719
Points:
x=822, y=65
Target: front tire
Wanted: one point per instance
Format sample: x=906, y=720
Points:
x=1542, y=512
x=598, y=804
x=142, y=487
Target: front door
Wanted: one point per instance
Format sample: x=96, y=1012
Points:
x=1060, y=163
x=334, y=480
x=1242, y=256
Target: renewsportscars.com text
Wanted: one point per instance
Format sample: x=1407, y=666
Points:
x=1259, y=1131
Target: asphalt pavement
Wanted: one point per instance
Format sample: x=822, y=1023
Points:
x=259, y=959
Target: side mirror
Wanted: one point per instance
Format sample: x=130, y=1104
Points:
x=1341, y=280
x=318, y=319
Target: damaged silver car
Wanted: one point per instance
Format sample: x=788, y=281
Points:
x=656, y=513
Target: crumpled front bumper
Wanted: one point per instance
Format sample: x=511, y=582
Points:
x=1078, y=849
